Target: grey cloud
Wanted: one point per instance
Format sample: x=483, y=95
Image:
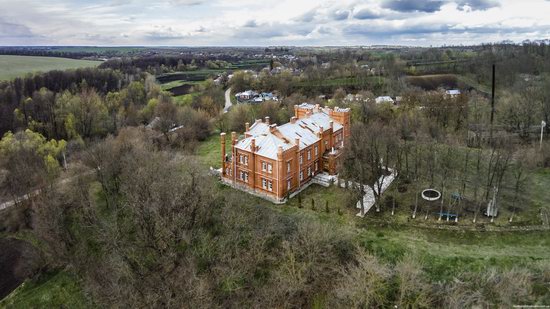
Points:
x=477, y=4
x=340, y=14
x=388, y=30
x=13, y=30
x=326, y=30
x=427, y=6
x=307, y=16
x=274, y=30
x=164, y=34
x=424, y=29
x=251, y=24
x=366, y=14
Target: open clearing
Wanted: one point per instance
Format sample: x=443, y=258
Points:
x=17, y=66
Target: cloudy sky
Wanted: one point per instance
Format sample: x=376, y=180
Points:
x=271, y=22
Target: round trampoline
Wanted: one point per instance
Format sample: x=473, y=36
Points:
x=431, y=195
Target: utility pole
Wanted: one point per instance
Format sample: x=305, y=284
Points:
x=492, y=107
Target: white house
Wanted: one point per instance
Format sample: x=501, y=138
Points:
x=246, y=95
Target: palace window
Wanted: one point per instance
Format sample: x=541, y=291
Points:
x=244, y=176
x=301, y=158
x=289, y=184
x=316, y=165
x=309, y=155
x=243, y=159
x=301, y=175
x=270, y=185
x=316, y=150
x=264, y=183
x=269, y=168
x=309, y=171
x=264, y=166
x=288, y=167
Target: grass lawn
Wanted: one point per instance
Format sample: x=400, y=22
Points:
x=17, y=66
x=52, y=290
x=209, y=151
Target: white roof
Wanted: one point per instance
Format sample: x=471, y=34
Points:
x=453, y=92
x=267, y=145
x=298, y=130
x=258, y=128
x=305, y=129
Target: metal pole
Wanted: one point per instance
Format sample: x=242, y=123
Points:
x=492, y=107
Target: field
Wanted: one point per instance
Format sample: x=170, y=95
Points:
x=17, y=66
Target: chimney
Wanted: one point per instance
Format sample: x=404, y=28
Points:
x=293, y=119
x=267, y=119
x=297, y=142
x=272, y=128
x=253, y=145
x=316, y=108
x=321, y=130
x=308, y=113
x=247, y=127
x=331, y=125
x=280, y=152
x=222, y=140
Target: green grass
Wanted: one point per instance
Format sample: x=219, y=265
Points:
x=18, y=66
x=538, y=188
x=53, y=290
x=209, y=151
x=177, y=83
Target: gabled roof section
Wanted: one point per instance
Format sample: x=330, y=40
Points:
x=305, y=128
x=296, y=130
x=258, y=128
x=267, y=145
